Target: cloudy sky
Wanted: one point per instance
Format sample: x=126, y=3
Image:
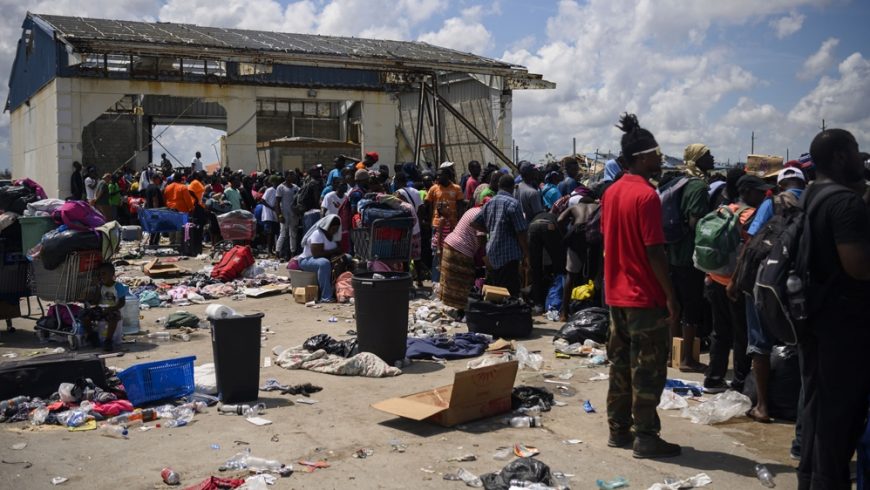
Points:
x=693, y=70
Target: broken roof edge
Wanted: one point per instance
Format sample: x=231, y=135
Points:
x=518, y=75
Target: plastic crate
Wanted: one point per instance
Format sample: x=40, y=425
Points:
x=162, y=220
x=32, y=229
x=158, y=380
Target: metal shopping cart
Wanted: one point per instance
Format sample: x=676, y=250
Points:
x=237, y=227
x=73, y=281
x=385, y=239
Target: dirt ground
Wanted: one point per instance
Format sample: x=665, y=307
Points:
x=343, y=422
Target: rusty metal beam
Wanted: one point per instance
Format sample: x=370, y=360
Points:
x=471, y=127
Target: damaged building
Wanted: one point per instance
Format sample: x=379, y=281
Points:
x=94, y=90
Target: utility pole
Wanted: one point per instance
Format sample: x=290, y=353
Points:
x=752, y=151
x=823, y=124
x=574, y=153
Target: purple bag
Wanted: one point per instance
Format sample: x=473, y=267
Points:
x=78, y=215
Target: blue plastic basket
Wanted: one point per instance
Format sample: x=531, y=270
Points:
x=162, y=220
x=158, y=380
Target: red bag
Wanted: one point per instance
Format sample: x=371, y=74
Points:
x=231, y=265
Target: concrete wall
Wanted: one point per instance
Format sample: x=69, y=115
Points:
x=47, y=135
x=109, y=141
x=34, y=135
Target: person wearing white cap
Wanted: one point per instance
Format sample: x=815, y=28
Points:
x=791, y=183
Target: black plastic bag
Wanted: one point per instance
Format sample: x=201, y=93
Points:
x=530, y=396
x=343, y=348
x=57, y=245
x=591, y=323
x=523, y=469
x=784, y=385
x=15, y=198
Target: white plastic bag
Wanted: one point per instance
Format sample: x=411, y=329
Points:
x=720, y=408
x=534, y=361
x=204, y=379
x=672, y=401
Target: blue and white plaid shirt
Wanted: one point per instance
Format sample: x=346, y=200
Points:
x=503, y=219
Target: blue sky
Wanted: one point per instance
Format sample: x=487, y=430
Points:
x=693, y=70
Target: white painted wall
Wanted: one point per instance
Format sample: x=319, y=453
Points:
x=46, y=136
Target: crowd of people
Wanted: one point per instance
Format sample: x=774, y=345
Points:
x=635, y=233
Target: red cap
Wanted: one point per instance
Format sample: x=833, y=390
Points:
x=373, y=155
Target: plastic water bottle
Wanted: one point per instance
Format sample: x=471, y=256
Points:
x=525, y=422
x=469, y=478
x=764, y=475
x=797, y=301
x=114, y=431
x=160, y=336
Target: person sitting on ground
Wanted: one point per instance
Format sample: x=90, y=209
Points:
x=108, y=300
x=319, y=247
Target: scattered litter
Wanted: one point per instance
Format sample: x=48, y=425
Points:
x=10, y=355
x=502, y=453
x=364, y=453
x=427, y=470
x=618, y=482
x=587, y=406
x=566, y=391
x=245, y=443
x=333, y=319
x=527, y=359
x=598, y=360
x=600, y=377
x=699, y=480
x=672, y=401
x=397, y=446
x=307, y=401
x=267, y=361
x=311, y=466
x=146, y=428
x=571, y=441
x=559, y=403
x=523, y=451
x=58, y=480
x=274, y=438
x=718, y=409
x=554, y=382
x=27, y=464
x=215, y=446
x=18, y=446
x=259, y=421
x=463, y=459
x=566, y=375
x=466, y=476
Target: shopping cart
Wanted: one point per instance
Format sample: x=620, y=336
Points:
x=75, y=280
x=237, y=227
x=385, y=239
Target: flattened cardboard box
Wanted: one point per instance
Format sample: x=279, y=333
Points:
x=474, y=394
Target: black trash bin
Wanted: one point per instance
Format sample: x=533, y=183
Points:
x=235, y=343
x=381, y=304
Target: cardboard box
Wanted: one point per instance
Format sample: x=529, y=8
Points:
x=763, y=165
x=677, y=351
x=305, y=294
x=474, y=394
x=495, y=294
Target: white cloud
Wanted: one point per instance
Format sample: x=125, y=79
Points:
x=820, y=61
x=461, y=34
x=841, y=101
x=788, y=25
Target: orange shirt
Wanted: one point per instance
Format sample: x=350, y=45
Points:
x=178, y=197
x=745, y=216
x=449, y=196
x=198, y=189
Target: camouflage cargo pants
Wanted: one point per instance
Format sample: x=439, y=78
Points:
x=638, y=352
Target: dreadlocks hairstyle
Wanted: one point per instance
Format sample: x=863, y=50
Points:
x=635, y=138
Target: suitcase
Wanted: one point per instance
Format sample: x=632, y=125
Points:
x=191, y=245
x=509, y=320
x=41, y=376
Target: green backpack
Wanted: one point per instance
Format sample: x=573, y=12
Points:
x=717, y=240
x=181, y=319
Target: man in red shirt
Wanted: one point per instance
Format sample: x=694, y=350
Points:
x=642, y=301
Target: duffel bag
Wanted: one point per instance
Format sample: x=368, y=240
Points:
x=510, y=320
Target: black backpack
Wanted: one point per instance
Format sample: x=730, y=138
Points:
x=671, y=195
x=758, y=247
x=783, y=309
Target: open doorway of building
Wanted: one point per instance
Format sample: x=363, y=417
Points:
x=181, y=142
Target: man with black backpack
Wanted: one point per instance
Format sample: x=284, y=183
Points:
x=691, y=192
x=791, y=182
x=837, y=338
